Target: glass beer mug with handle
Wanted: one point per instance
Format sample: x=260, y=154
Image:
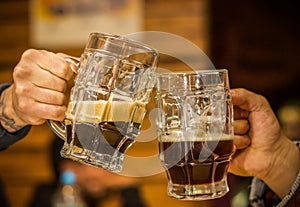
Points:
x=195, y=124
x=108, y=100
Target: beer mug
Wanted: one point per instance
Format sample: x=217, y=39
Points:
x=195, y=124
x=107, y=102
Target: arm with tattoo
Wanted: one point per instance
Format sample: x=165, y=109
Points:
x=7, y=122
x=8, y=135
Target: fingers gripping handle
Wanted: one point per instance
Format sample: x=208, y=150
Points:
x=74, y=63
x=58, y=127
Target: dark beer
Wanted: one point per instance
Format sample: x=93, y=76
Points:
x=196, y=162
x=103, y=131
x=105, y=137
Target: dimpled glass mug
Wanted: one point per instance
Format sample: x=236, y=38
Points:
x=195, y=124
x=107, y=103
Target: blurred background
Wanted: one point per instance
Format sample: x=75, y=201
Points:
x=257, y=41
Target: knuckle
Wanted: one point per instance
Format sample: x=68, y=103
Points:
x=263, y=100
x=23, y=105
x=60, y=98
x=63, y=70
x=30, y=53
x=22, y=102
x=19, y=90
x=60, y=67
x=21, y=72
x=59, y=113
x=24, y=68
x=22, y=91
x=64, y=87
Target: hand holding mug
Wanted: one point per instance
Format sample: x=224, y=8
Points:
x=108, y=101
x=195, y=132
x=38, y=92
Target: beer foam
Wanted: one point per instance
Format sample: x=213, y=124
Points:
x=106, y=111
x=177, y=135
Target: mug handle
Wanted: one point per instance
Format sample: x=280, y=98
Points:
x=58, y=127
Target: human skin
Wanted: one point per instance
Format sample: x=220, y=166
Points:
x=262, y=150
x=38, y=90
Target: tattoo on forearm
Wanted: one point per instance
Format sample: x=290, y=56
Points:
x=9, y=123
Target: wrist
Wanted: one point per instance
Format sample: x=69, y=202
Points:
x=9, y=119
x=285, y=167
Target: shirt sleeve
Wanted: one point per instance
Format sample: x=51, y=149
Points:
x=259, y=191
x=294, y=200
x=6, y=138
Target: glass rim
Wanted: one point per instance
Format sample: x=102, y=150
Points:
x=189, y=73
x=140, y=45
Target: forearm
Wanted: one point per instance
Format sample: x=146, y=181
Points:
x=8, y=118
x=285, y=168
x=7, y=138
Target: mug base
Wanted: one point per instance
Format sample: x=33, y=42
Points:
x=198, y=192
x=113, y=163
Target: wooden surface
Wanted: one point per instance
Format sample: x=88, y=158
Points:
x=27, y=162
